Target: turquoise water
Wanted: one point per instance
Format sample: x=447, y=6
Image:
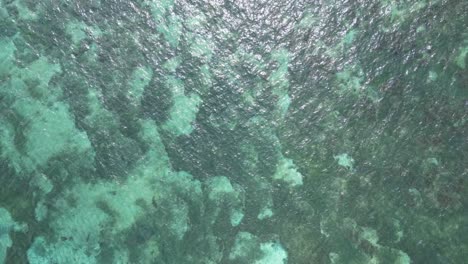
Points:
x=211, y=131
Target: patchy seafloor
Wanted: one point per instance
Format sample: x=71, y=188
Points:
x=238, y=132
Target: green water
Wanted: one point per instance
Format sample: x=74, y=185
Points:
x=251, y=131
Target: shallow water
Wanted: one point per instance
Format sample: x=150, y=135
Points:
x=213, y=131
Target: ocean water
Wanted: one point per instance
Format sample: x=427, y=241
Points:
x=222, y=131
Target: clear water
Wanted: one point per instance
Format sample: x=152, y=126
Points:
x=267, y=132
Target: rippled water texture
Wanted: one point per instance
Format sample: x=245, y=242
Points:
x=222, y=131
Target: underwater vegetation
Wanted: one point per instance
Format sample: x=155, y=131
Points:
x=266, y=132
